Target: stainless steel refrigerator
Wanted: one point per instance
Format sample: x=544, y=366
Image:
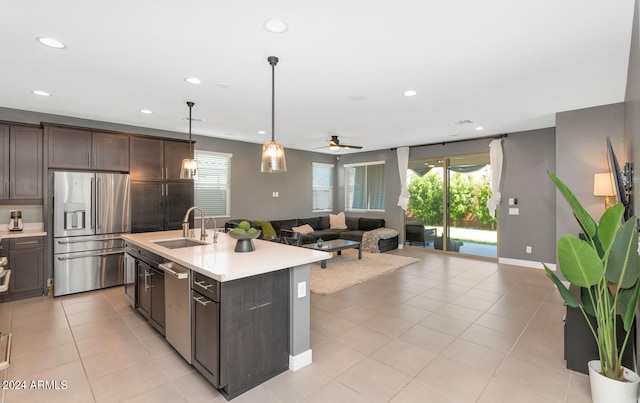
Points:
x=90, y=211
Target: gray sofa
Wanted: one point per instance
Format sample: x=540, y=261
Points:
x=356, y=227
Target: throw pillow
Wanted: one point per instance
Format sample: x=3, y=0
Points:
x=303, y=229
x=337, y=221
x=267, y=229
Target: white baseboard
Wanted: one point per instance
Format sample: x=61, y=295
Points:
x=300, y=361
x=526, y=263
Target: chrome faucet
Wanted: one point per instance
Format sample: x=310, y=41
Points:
x=215, y=228
x=185, y=224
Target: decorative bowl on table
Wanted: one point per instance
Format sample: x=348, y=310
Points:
x=245, y=241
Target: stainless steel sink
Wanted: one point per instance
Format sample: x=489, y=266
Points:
x=179, y=243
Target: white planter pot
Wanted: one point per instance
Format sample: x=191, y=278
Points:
x=607, y=390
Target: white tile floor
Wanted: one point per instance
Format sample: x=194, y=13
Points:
x=447, y=329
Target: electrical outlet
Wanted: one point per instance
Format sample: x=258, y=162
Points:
x=528, y=249
x=49, y=282
x=302, y=289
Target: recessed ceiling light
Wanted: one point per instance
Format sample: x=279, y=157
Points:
x=262, y=132
x=41, y=93
x=276, y=26
x=51, y=42
x=479, y=128
x=409, y=93
x=193, y=80
x=356, y=98
x=146, y=111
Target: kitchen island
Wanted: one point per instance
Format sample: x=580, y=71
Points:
x=249, y=312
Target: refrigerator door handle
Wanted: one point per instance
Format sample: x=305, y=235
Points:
x=93, y=204
x=84, y=255
x=97, y=212
x=64, y=242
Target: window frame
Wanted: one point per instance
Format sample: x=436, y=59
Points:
x=226, y=186
x=329, y=188
x=347, y=206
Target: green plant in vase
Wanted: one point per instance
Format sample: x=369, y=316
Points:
x=606, y=267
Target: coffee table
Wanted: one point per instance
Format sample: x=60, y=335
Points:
x=337, y=245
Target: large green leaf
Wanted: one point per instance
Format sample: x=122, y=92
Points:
x=609, y=225
x=587, y=223
x=587, y=302
x=564, y=292
x=623, y=265
x=628, y=301
x=579, y=262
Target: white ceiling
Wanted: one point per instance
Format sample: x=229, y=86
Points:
x=507, y=65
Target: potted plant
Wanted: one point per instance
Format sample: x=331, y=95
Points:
x=606, y=267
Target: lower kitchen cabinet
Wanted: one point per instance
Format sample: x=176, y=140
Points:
x=240, y=330
x=26, y=261
x=151, y=295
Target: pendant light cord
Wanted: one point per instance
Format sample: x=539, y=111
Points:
x=273, y=61
x=190, y=105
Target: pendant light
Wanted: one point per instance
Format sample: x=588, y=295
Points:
x=189, y=168
x=273, y=160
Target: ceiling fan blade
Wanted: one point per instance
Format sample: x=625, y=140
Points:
x=334, y=142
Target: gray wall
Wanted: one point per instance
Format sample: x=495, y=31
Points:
x=581, y=151
x=632, y=105
x=632, y=120
x=251, y=190
x=527, y=158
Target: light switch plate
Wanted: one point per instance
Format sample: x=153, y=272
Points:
x=514, y=211
x=302, y=289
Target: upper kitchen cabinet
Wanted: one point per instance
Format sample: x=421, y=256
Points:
x=157, y=159
x=21, y=162
x=83, y=149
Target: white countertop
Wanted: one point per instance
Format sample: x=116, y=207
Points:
x=29, y=229
x=220, y=262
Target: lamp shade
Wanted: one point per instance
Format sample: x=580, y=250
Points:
x=273, y=160
x=189, y=169
x=603, y=185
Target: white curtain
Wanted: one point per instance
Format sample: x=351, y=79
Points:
x=403, y=165
x=495, y=156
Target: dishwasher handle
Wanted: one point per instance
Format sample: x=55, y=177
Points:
x=167, y=267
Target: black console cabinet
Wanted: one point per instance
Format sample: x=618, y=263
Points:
x=580, y=346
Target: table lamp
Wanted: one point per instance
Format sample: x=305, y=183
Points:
x=603, y=186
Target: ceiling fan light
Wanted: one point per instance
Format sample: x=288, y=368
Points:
x=334, y=147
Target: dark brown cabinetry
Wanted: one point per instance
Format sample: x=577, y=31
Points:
x=72, y=148
x=240, y=330
x=156, y=159
x=26, y=262
x=150, y=286
x=21, y=165
x=159, y=206
x=159, y=199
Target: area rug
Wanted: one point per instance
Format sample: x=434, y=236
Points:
x=346, y=270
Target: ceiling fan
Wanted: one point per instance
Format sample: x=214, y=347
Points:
x=334, y=144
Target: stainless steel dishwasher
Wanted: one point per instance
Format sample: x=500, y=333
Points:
x=177, y=305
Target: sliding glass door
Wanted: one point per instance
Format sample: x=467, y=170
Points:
x=447, y=208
